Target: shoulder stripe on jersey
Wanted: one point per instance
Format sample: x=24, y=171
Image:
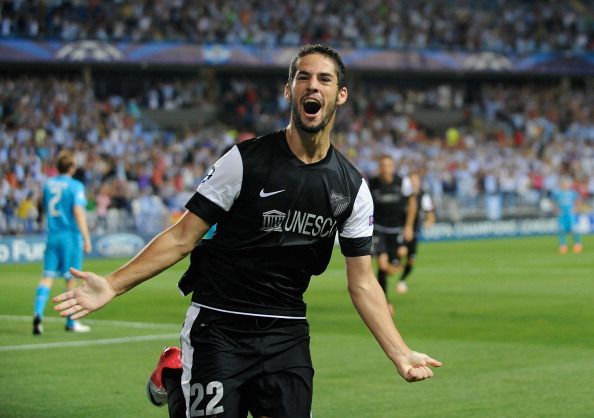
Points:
x=223, y=182
x=360, y=223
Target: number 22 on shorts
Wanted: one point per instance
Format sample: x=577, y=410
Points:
x=198, y=391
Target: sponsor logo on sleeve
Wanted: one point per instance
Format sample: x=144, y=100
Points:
x=208, y=175
x=338, y=202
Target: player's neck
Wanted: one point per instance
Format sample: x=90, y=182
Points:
x=386, y=179
x=308, y=147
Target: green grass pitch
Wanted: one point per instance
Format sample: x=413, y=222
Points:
x=512, y=320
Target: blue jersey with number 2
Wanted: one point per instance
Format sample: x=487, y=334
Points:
x=566, y=201
x=64, y=240
x=60, y=195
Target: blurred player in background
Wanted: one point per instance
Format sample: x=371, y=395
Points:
x=566, y=200
x=424, y=218
x=395, y=208
x=64, y=203
x=278, y=202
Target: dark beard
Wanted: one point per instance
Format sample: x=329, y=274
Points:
x=311, y=129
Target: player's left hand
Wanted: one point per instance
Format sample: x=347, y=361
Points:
x=416, y=366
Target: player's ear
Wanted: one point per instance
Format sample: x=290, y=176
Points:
x=287, y=93
x=343, y=94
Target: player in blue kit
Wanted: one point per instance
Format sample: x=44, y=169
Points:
x=64, y=202
x=566, y=199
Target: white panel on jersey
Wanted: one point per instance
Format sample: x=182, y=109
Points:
x=426, y=203
x=222, y=184
x=407, y=188
x=360, y=223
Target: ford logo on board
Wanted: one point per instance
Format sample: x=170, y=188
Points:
x=119, y=245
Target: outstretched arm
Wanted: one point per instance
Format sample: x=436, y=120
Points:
x=163, y=251
x=370, y=301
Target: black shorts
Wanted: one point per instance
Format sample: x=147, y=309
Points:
x=234, y=363
x=384, y=243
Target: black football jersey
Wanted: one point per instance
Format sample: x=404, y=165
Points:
x=424, y=205
x=390, y=203
x=277, y=220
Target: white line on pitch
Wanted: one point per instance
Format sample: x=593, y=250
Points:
x=104, y=341
x=124, y=324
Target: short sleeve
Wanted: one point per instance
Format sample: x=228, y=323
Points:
x=219, y=189
x=355, y=235
x=80, y=198
x=407, y=188
x=426, y=203
x=223, y=182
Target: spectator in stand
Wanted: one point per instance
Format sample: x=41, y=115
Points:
x=103, y=200
x=40, y=116
x=27, y=213
x=507, y=26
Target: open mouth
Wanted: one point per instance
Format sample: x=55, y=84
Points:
x=311, y=107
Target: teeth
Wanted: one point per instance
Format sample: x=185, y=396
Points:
x=310, y=100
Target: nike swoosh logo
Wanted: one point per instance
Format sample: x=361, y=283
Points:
x=264, y=194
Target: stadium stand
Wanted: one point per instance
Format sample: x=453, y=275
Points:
x=478, y=138
x=503, y=26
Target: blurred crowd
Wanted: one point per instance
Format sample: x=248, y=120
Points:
x=507, y=26
x=510, y=142
x=121, y=162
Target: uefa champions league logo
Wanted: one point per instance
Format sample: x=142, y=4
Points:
x=89, y=51
x=487, y=61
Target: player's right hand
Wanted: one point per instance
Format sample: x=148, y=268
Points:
x=94, y=293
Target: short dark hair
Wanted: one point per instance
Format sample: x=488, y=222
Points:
x=64, y=161
x=323, y=50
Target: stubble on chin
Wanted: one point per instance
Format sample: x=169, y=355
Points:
x=295, y=116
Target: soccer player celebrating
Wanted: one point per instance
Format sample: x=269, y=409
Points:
x=65, y=203
x=278, y=201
